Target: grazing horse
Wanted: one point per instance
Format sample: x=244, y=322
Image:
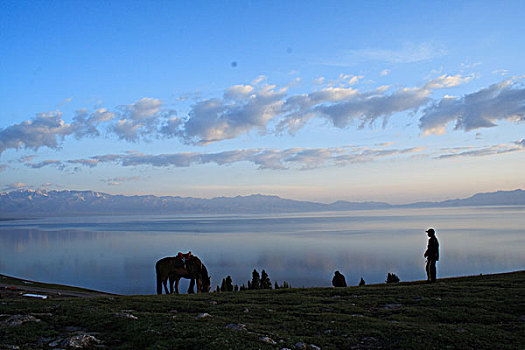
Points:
x=174, y=268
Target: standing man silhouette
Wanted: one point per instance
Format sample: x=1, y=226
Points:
x=432, y=255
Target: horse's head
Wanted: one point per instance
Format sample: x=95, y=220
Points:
x=205, y=284
x=196, y=269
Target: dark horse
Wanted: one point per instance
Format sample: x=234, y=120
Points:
x=173, y=269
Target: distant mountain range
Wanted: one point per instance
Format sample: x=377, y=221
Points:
x=30, y=203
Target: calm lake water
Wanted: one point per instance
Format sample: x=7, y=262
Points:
x=118, y=253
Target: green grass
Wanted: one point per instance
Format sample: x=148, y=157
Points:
x=481, y=312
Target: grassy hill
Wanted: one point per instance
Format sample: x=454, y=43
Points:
x=480, y=312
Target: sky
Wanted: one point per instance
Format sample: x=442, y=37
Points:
x=308, y=100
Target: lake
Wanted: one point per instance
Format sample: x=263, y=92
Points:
x=118, y=253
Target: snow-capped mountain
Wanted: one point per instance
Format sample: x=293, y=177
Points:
x=27, y=203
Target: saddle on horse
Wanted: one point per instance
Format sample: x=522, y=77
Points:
x=181, y=259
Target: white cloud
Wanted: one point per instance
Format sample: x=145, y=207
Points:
x=49, y=162
x=15, y=186
x=481, y=109
x=65, y=101
x=501, y=72
x=127, y=129
x=245, y=108
x=238, y=92
x=518, y=146
x=408, y=53
x=447, y=81
x=216, y=120
x=350, y=106
x=86, y=162
x=117, y=181
x=313, y=158
x=47, y=129
x=368, y=155
x=47, y=185
x=26, y=159
x=343, y=106
x=86, y=124
x=293, y=158
x=139, y=119
x=171, y=127
x=144, y=108
x=368, y=108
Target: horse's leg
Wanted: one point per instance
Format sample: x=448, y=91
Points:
x=171, y=284
x=199, y=283
x=165, y=283
x=192, y=285
x=177, y=280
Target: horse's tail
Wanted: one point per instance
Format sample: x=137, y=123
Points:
x=159, y=279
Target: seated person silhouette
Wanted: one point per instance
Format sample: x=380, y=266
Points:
x=338, y=280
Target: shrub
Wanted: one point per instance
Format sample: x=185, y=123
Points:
x=226, y=285
x=285, y=285
x=256, y=280
x=362, y=282
x=392, y=278
x=265, y=281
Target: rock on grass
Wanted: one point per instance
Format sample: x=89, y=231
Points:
x=80, y=341
x=268, y=340
x=17, y=320
x=236, y=326
x=202, y=315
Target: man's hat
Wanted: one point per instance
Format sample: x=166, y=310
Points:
x=431, y=231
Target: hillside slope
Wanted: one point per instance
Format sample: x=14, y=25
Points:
x=481, y=312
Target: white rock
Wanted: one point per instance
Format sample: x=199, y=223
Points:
x=202, y=315
x=17, y=320
x=126, y=315
x=268, y=340
x=236, y=326
x=55, y=343
x=31, y=295
x=80, y=341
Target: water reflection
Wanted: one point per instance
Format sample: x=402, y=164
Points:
x=118, y=254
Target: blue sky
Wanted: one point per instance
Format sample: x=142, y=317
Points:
x=305, y=100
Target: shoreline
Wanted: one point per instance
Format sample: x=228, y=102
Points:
x=14, y=287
